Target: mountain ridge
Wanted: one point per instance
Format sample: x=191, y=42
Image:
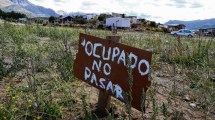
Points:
x=26, y=7
x=195, y=24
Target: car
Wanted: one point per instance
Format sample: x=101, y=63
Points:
x=183, y=32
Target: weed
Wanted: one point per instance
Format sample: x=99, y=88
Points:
x=44, y=57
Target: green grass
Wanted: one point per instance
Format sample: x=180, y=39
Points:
x=47, y=88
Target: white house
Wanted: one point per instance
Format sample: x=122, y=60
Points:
x=118, y=22
x=89, y=16
x=133, y=19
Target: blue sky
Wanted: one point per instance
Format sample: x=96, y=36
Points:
x=157, y=10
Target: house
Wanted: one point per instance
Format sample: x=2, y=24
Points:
x=209, y=31
x=175, y=27
x=161, y=26
x=141, y=21
x=118, y=15
x=202, y=31
x=118, y=22
x=133, y=19
x=59, y=20
x=67, y=20
x=64, y=20
x=90, y=16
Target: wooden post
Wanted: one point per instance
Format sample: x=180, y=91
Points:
x=103, y=104
x=104, y=98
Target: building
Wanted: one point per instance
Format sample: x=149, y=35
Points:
x=67, y=20
x=118, y=15
x=118, y=22
x=64, y=20
x=162, y=26
x=90, y=16
x=175, y=27
x=210, y=31
x=141, y=21
x=59, y=20
x=133, y=19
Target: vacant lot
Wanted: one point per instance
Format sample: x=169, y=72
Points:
x=37, y=81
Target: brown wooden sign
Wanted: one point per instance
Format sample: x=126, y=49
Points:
x=102, y=64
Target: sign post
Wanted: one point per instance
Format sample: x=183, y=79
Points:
x=104, y=98
x=102, y=64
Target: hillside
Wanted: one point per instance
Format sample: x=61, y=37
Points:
x=5, y=3
x=26, y=7
x=195, y=24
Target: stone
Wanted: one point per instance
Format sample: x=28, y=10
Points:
x=187, y=98
x=193, y=105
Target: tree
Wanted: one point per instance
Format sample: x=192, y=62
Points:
x=52, y=19
x=80, y=20
x=11, y=15
x=1, y=13
x=143, y=20
x=123, y=15
x=153, y=24
x=102, y=17
x=93, y=21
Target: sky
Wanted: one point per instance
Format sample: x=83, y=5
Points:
x=157, y=10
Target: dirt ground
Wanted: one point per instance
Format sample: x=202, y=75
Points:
x=178, y=106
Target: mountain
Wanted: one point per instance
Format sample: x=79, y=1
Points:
x=5, y=3
x=77, y=13
x=26, y=7
x=80, y=13
x=61, y=12
x=195, y=24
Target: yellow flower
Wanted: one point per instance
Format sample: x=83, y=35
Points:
x=15, y=97
x=29, y=101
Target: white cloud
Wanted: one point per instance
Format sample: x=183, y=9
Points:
x=158, y=10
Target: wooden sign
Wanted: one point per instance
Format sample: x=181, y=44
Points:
x=102, y=64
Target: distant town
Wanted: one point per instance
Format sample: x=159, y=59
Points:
x=101, y=21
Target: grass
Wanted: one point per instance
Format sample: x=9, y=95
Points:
x=36, y=79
